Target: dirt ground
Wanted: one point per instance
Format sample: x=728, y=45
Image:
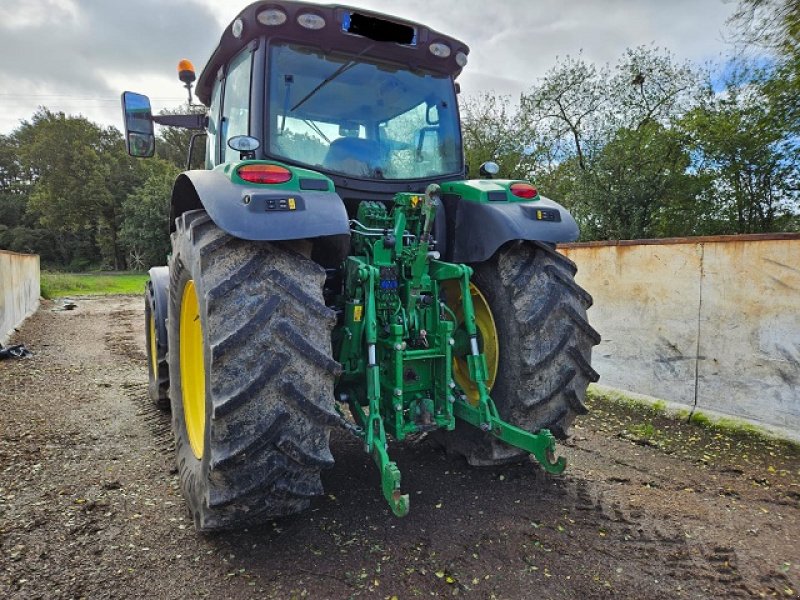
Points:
x=648, y=508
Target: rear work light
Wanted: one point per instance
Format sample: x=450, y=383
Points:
x=523, y=190
x=270, y=174
x=310, y=21
x=439, y=49
x=272, y=17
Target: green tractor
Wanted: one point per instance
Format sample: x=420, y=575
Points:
x=332, y=267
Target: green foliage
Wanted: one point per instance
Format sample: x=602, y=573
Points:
x=65, y=194
x=173, y=143
x=145, y=232
x=635, y=184
x=31, y=241
x=78, y=175
x=645, y=148
x=59, y=285
x=493, y=131
x=644, y=430
x=747, y=150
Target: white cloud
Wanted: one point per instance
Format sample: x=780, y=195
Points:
x=77, y=56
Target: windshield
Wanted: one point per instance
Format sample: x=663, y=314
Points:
x=348, y=115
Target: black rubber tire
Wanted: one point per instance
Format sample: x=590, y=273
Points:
x=269, y=376
x=545, y=344
x=157, y=382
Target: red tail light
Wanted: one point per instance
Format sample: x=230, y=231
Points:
x=264, y=173
x=523, y=190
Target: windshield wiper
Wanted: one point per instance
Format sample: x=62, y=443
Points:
x=348, y=65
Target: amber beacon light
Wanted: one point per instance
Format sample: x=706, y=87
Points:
x=186, y=71
x=187, y=76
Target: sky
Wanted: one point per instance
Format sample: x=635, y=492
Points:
x=77, y=56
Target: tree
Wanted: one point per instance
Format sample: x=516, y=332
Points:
x=774, y=26
x=493, y=131
x=637, y=181
x=611, y=156
x=81, y=175
x=145, y=233
x=751, y=154
x=566, y=105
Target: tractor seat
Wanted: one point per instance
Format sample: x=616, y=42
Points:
x=353, y=156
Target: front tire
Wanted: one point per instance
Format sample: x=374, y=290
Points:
x=252, y=443
x=545, y=345
x=157, y=366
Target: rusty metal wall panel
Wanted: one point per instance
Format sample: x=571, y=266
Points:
x=750, y=331
x=19, y=290
x=645, y=307
x=714, y=321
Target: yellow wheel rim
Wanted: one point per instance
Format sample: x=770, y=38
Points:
x=193, y=370
x=487, y=336
x=153, y=347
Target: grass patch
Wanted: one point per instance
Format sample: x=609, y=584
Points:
x=58, y=285
x=644, y=430
x=632, y=418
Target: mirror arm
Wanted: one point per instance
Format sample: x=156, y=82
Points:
x=184, y=121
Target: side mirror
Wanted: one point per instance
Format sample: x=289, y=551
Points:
x=489, y=169
x=140, y=139
x=245, y=145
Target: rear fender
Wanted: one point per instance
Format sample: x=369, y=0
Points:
x=262, y=212
x=481, y=216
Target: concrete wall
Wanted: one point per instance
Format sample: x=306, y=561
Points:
x=19, y=290
x=708, y=321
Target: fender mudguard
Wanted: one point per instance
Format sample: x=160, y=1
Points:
x=476, y=230
x=257, y=213
x=159, y=298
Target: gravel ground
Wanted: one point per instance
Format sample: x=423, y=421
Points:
x=648, y=508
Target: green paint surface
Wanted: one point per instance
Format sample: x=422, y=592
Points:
x=478, y=190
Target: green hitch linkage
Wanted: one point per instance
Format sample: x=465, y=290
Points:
x=374, y=431
x=541, y=445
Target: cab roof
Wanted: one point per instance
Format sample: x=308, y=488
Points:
x=346, y=30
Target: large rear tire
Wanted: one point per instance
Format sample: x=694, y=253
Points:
x=252, y=382
x=545, y=345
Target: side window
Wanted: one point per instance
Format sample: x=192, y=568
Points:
x=213, y=126
x=236, y=103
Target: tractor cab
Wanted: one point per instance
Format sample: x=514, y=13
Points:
x=359, y=117
x=365, y=99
